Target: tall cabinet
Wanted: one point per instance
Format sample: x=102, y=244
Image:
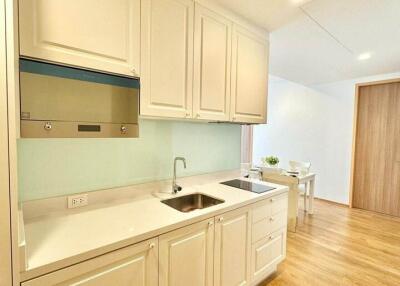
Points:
x=5, y=233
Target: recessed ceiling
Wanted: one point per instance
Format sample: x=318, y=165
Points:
x=337, y=40
x=323, y=41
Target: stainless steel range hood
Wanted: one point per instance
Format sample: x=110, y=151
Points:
x=66, y=102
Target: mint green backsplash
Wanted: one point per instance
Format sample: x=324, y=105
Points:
x=57, y=167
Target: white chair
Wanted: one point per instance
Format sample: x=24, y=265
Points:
x=303, y=168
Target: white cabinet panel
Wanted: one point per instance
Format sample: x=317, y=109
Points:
x=136, y=265
x=186, y=255
x=212, y=65
x=232, y=248
x=167, y=58
x=267, y=253
x=249, y=76
x=97, y=34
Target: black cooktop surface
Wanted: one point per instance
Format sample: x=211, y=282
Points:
x=248, y=186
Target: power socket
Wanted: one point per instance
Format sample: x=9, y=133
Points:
x=78, y=201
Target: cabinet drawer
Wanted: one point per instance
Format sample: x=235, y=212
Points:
x=267, y=253
x=134, y=265
x=267, y=225
x=269, y=207
x=279, y=203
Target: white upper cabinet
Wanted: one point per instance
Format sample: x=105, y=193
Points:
x=195, y=59
x=212, y=65
x=167, y=58
x=97, y=34
x=249, y=76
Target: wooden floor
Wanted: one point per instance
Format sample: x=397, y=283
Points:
x=341, y=246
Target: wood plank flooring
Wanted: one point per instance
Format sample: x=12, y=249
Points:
x=341, y=246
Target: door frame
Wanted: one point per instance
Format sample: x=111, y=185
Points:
x=355, y=121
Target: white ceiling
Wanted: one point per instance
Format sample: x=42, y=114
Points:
x=269, y=14
x=319, y=41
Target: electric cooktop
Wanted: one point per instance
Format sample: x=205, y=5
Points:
x=248, y=186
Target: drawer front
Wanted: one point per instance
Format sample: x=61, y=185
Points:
x=260, y=230
x=261, y=212
x=279, y=204
x=267, y=253
x=267, y=225
x=278, y=221
x=269, y=207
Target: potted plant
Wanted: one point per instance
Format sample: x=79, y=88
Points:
x=271, y=161
x=270, y=164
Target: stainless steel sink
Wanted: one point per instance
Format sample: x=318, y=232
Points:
x=192, y=202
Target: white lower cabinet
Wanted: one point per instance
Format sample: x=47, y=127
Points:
x=239, y=247
x=135, y=265
x=232, y=248
x=186, y=255
x=266, y=254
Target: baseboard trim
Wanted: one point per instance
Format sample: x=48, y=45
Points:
x=332, y=202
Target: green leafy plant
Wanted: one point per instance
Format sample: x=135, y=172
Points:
x=271, y=160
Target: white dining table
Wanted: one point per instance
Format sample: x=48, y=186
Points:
x=293, y=182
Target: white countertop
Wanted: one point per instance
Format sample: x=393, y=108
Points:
x=57, y=241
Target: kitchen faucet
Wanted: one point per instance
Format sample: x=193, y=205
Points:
x=175, y=187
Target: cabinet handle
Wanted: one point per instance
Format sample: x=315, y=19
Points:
x=210, y=223
x=187, y=114
x=152, y=245
x=272, y=200
x=198, y=115
x=234, y=118
x=221, y=219
x=271, y=237
x=271, y=219
x=133, y=70
x=48, y=126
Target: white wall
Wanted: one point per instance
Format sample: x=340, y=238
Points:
x=312, y=124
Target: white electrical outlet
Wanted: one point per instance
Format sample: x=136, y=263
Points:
x=78, y=201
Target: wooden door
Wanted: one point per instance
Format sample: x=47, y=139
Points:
x=167, y=58
x=5, y=227
x=97, y=34
x=186, y=255
x=249, y=76
x=212, y=65
x=135, y=265
x=376, y=178
x=232, y=248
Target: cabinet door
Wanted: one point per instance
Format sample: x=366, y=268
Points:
x=186, y=255
x=96, y=34
x=167, y=58
x=267, y=253
x=136, y=265
x=249, y=76
x=232, y=248
x=212, y=65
